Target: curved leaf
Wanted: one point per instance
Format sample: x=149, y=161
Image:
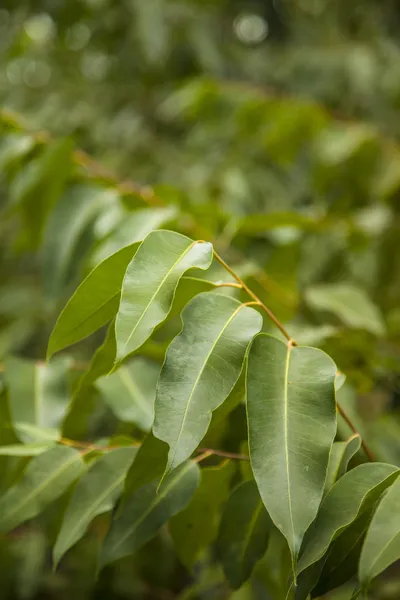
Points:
x=130, y=392
x=96, y=493
x=145, y=512
x=201, y=367
x=45, y=479
x=382, y=543
x=243, y=534
x=149, y=285
x=341, y=454
x=94, y=303
x=292, y=423
x=355, y=492
x=148, y=465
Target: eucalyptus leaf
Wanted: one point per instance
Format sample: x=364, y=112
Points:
x=146, y=511
x=243, y=534
x=96, y=492
x=292, y=424
x=46, y=478
x=149, y=285
x=202, y=366
x=94, y=303
x=341, y=454
x=24, y=449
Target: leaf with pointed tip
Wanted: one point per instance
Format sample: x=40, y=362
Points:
x=146, y=511
x=382, y=543
x=94, y=303
x=196, y=526
x=46, y=478
x=353, y=493
x=201, y=367
x=243, y=534
x=97, y=492
x=38, y=397
x=150, y=282
x=341, y=454
x=292, y=424
x=130, y=392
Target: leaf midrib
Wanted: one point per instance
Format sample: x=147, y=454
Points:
x=286, y=436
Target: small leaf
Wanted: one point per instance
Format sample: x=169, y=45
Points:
x=243, y=534
x=45, y=479
x=341, y=454
x=196, y=526
x=145, y=512
x=130, y=392
x=355, y=492
x=150, y=282
x=292, y=423
x=201, y=367
x=38, y=397
x=349, y=303
x=96, y=493
x=94, y=303
x=382, y=543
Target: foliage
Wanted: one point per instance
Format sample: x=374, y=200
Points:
x=146, y=484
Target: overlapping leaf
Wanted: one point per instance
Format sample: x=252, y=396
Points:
x=96, y=493
x=292, y=424
x=341, y=454
x=243, y=534
x=202, y=365
x=150, y=282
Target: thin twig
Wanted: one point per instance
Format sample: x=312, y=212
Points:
x=350, y=423
x=224, y=453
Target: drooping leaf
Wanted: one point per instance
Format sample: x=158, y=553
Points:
x=196, y=526
x=202, y=365
x=96, y=493
x=292, y=423
x=45, y=479
x=341, y=454
x=38, y=397
x=146, y=511
x=382, y=543
x=150, y=282
x=348, y=303
x=243, y=533
x=130, y=392
x=94, y=303
x=352, y=494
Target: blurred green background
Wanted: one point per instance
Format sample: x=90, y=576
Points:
x=270, y=127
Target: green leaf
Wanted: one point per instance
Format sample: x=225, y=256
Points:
x=349, y=303
x=382, y=543
x=196, y=526
x=341, y=454
x=292, y=424
x=38, y=397
x=147, y=466
x=97, y=492
x=45, y=479
x=24, y=449
x=150, y=282
x=130, y=392
x=260, y=223
x=201, y=367
x=354, y=493
x=94, y=303
x=243, y=534
x=146, y=511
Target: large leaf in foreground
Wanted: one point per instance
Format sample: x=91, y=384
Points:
x=354, y=493
x=45, y=479
x=130, y=391
x=243, y=534
x=96, y=493
x=382, y=543
x=292, y=423
x=202, y=365
x=38, y=396
x=146, y=511
x=196, y=526
x=150, y=282
x=94, y=303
